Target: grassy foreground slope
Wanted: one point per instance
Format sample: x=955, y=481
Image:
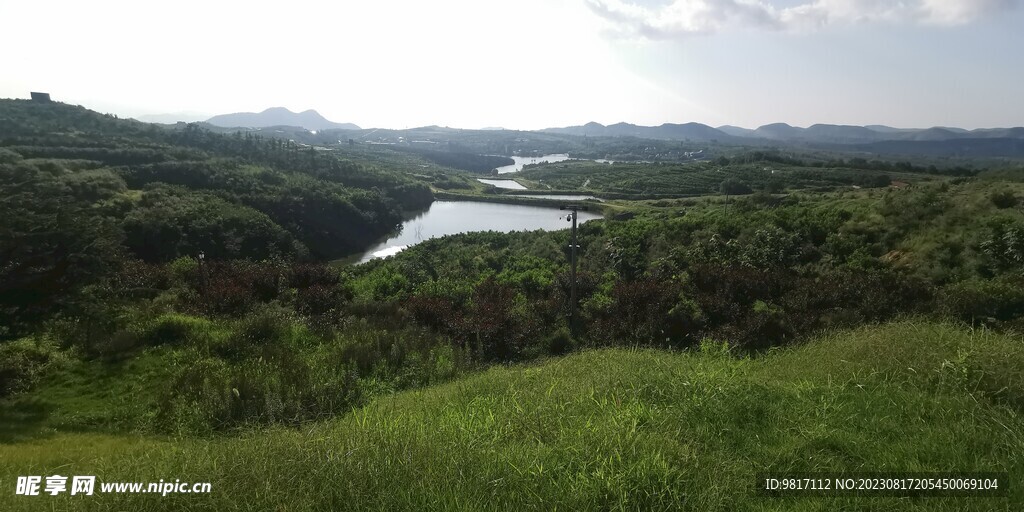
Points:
x=604, y=429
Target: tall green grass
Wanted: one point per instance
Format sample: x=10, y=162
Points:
x=188, y=376
x=603, y=430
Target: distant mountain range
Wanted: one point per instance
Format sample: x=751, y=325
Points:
x=879, y=139
x=667, y=131
x=844, y=134
x=279, y=116
x=816, y=134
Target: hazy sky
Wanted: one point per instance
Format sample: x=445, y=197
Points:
x=529, y=63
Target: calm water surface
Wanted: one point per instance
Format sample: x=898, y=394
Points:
x=451, y=217
x=521, y=161
x=563, y=197
x=506, y=184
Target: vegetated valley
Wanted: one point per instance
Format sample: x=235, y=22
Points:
x=172, y=305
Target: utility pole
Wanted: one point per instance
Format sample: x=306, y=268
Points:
x=573, y=210
x=202, y=273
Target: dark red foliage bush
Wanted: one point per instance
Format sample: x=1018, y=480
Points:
x=233, y=287
x=641, y=311
x=137, y=278
x=305, y=275
x=440, y=313
x=319, y=299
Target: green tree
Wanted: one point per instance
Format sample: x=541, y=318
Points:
x=734, y=187
x=50, y=245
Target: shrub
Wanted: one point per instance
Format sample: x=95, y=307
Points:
x=734, y=187
x=274, y=377
x=9, y=157
x=494, y=320
x=307, y=275
x=639, y=311
x=167, y=330
x=266, y=332
x=198, y=400
x=23, y=361
x=319, y=300
x=138, y=279
x=1004, y=249
x=209, y=394
x=438, y=312
x=983, y=300
x=117, y=343
x=184, y=270
x=174, y=329
x=235, y=287
x=1004, y=199
x=559, y=342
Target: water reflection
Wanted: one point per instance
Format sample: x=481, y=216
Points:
x=451, y=217
x=529, y=160
x=506, y=184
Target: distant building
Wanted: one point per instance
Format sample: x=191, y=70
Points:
x=42, y=97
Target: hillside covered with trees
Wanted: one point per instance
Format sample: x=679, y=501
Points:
x=84, y=193
x=181, y=288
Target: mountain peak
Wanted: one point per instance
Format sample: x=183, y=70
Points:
x=775, y=125
x=778, y=131
x=278, y=116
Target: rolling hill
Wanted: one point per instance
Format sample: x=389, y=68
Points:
x=612, y=429
x=667, y=131
x=989, y=141
x=279, y=116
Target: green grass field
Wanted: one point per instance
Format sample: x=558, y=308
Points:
x=601, y=430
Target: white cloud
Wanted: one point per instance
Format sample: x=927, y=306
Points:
x=684, y=17
x=962, y=11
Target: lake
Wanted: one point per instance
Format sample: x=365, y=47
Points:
x=451, y=217
x=563, y=197
x=527, y=160
x=506, y=184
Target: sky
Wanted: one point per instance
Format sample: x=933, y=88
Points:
x=529, y=64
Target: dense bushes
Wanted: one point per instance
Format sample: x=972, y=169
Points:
x=647, y=311
x=752, y=307
x=1004, y=248
x=267, y=368
x=22, y=363
x=327, y=217
x=328, y=223
x=755, y=274
x=79, y=191
x=736, y=177
x=1004, y=199
x=984, y=301
x=256, y=333
x=493, y=320
x=170, y=222
x=53, y=241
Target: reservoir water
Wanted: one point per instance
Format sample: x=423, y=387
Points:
x=563, y=197
x=506, y=184
x=451, y=217
x=521, y=161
